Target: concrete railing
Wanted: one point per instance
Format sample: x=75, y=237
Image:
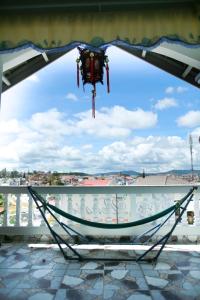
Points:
x=109, y=204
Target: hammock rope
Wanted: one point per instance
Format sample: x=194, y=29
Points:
x=110, y=226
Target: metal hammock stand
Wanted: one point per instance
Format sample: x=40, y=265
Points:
x=43, y=206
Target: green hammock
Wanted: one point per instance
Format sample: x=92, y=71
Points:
x=41, y=203
x=109, y=226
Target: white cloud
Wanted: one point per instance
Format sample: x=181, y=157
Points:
x=71, y=96
x=181, y=89
x=13, y=101
x=153, y=153
x=115, y=122
x=178, y=90
x=196, y=132
x=29, y=145
x=42, y=143
x=33, y=78
x=190, y=119
x=9, y=127
x=87, y=146
x=169, y=90
x=165, y=103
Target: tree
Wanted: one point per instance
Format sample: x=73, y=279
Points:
x=54, y=179
x=1, y=200
x=3, y=173
x=14, y=174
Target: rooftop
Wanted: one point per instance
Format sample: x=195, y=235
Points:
x=95, y=182
x=161, y=180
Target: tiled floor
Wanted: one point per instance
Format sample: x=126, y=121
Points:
x=40, y=273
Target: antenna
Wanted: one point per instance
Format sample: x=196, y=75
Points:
x=191, y=154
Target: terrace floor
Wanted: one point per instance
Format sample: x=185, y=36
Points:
x=39, y=272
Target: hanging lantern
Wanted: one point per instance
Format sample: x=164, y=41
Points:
x=90, y=64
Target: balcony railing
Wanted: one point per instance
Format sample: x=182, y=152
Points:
x=109, y=204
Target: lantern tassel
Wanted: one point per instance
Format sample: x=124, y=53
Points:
x=108, y=79
x=92, y=70
x=78, y=78
x=93, y=101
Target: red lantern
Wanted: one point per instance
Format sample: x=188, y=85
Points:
x=92, y=64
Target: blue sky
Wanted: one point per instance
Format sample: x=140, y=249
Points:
x=144, y=122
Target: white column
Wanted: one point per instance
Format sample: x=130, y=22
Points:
x=196, y=210
x=95, y=207
x=133, y=212
x=30, y=211
x=123, y=204
x=18, y=210
x=82, y=206
x=69, y=208
x=6, y=213
x=108, y=208
x=58, y=205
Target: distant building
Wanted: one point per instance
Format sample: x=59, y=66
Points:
x=96, y=182
x=160, y=180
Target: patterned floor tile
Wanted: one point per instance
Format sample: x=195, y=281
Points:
x=31, y=273
x=10, y=278
x=173, y=295
x=118, y=294
x=124, y=279
x=83, y=279
x=76, y=294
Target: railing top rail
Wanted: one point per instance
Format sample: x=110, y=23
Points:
x=134, y=189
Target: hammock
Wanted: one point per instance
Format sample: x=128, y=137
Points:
x=41, y=203
x=110, y=226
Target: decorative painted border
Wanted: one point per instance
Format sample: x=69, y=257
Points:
x=97, y=43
